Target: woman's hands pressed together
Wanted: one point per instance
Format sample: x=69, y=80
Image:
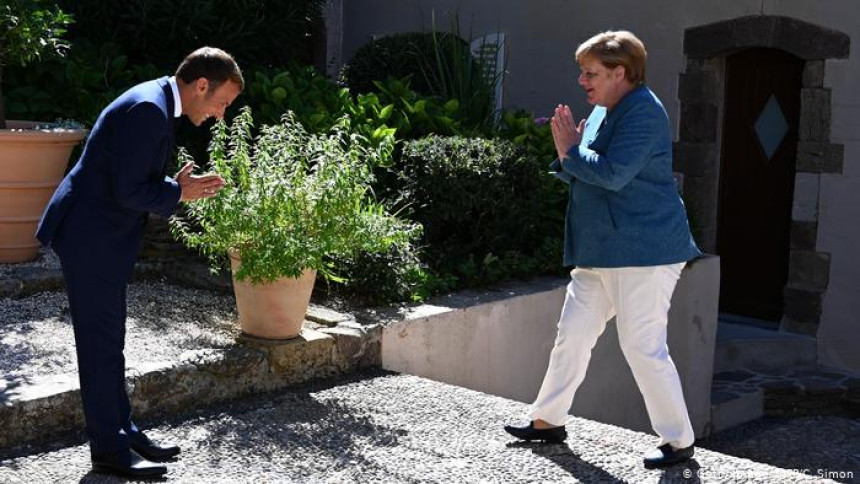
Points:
x=565, y=132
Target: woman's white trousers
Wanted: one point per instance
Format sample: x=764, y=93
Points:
x=639, y=298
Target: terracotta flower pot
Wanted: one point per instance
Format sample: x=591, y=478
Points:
x=275, y=310
x=32, y=164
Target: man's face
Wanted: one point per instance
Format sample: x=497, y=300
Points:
x=210, y=104
x=601, y=83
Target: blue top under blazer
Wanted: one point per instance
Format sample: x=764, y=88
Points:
x=624, y=209
x=97, y=214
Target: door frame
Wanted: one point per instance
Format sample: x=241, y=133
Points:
x=697, y=151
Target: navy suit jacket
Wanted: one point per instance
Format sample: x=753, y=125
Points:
x=97, y=214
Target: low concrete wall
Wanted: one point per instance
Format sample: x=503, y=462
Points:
x=499, y=343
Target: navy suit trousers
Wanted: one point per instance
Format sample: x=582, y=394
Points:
x=98, y=310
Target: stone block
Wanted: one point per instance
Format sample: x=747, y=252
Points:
x=814, y=114
x=804, y=205
x=791, y=325
x=39, y=279
x=813, y=73
x=808, y=41
x=200, y=377
x=695, y=159
x=698, y=123
x=730, y=412
x=804, y=235
x=803, y=39
x=819, y=157
x=355, y=346
x=34, y=411
x=817, y=387
x=326, y=316
x=302, y=358
x=699, y=86
x=809, y=271
x=800, y=305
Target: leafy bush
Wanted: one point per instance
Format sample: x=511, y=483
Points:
x=434, y=64
x=162, y=32
x=291, y=199
x=396, y=56
x=29, y=29
x=78, y=86
x=319, y=104
x=483, y=205
x=375, y=278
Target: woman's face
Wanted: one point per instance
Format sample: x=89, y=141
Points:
x=604, y=86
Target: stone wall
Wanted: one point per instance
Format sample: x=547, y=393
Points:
x=499, y=342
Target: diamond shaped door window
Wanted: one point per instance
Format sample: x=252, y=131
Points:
x=771, y=127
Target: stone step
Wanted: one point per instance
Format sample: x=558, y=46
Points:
x=730, y=409
x=392, y=428
x=741, y=396
x=741, y=346
x=181, y=353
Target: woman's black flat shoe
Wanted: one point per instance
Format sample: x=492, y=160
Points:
x=666, y=455
x=554, y=435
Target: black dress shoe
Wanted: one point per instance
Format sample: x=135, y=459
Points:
x=137, y=468
x=554, y=435
x=140, y=443
x=666, y=455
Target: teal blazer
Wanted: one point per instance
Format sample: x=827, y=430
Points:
x=624, y=209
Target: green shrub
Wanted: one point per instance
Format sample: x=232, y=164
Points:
x=163, y=32
x=376, y=278
x=484, y=208
x=29, y=30
x=78, y=86
x=397, y=56
x=432, y=64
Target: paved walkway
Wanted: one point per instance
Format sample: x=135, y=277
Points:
x=391, y=428
x=374, y=427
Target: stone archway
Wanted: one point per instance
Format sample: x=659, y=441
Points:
x=697, y=152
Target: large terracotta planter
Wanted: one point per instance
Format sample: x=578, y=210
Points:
x=32, y=164
x=275, y=310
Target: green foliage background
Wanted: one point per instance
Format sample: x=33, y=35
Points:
x=477, y=184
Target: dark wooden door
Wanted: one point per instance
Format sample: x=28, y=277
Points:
x=759, y=144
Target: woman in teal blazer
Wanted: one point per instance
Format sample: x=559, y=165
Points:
x=627, y=233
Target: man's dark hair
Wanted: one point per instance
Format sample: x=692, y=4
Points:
x=212, y=63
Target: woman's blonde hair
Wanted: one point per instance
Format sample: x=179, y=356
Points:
x=617, y=48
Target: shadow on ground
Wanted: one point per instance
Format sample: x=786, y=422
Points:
x=824, y=446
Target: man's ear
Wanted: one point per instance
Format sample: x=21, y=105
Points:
x=201, y=85
x=620, y=72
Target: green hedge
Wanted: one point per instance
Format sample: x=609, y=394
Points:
x=488, y=209
x=484, y=206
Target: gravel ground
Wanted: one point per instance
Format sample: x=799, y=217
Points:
x=391, y=429
x=163, y=321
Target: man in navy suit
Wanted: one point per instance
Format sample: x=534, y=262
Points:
x=95, y=220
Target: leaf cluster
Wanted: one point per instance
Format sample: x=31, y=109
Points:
x=484, y=204
x=162, y=32
x=291, y=198
x=30, y=29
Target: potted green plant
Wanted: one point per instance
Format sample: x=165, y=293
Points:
x=291, y=200
x=33, y=156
